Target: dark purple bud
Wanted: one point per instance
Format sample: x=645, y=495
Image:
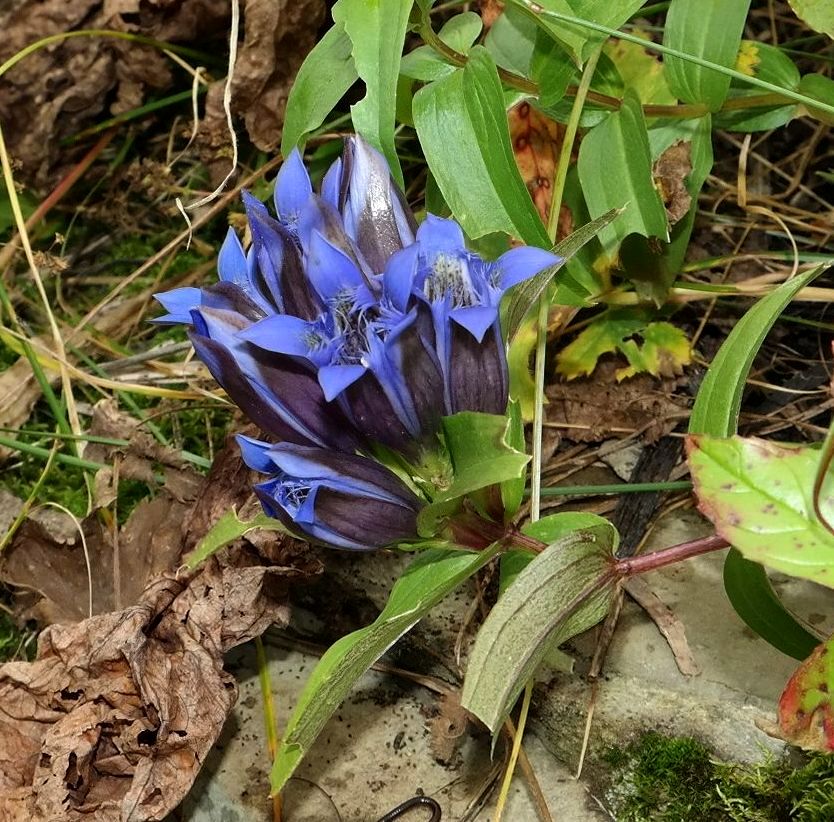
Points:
x=341, y=500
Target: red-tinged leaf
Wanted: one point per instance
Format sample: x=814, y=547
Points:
x=806, y=717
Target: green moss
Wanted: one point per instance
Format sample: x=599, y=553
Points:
x=663, y=779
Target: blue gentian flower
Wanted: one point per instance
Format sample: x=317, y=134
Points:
x=342, y=500
x=344, y=327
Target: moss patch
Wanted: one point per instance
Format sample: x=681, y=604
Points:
x=663, y=779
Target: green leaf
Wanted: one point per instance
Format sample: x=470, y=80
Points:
x=225, y=531
x=511, y=41
x=425, y=64
x=663, y=350
x=480, y=450
x=615, y=169
x=806, y=714
x=577, y=40
x=711, y=30
x=551, y=68
x=716, y=413
x=432, y=575
x=640, y=70
x=377, y=31
x=718, y=402
x=462, y=126
x=767, y=63
x=565, y=590
x=759, y=495
x=526, y=294
x=325, y=75
x=818, y=14
x=549, y=529
x=820, y=88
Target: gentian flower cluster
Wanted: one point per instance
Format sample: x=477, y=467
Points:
x=346, y=327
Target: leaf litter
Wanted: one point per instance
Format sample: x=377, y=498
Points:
x=115, y=716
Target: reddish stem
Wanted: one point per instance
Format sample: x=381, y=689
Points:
x=630, y=566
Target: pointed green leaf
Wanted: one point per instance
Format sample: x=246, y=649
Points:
x=526, y=294
x=759, y=496
x=325, y=76
x=462, y=125
x=432, y=575
x=426, y=64
x=615, y=169
x=377, y=31
x=565, y=590
x=711, y=30
x=716, y=413
x=225, y=531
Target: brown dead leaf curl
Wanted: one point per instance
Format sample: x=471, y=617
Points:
x=57, y=91
x=116, y=715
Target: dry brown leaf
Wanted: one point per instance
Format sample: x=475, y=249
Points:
x=592, y=409
x=490, y=11
x=114, y=718
x=447, y=726
x=55, y=92
x=670, y=171
x=537, y=141
x=277, y=37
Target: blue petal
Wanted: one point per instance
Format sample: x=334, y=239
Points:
x=285, y=334
x=437, y=234
x=255, y=454
x=330, y=270
x=398, y=279
x=331, y=184
x=476, y=319
x=231, y=262
x=292, y=188
x=519, y=264
x=178, y=303
x=334, y=379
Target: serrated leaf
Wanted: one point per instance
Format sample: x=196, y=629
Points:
x=818, y=14
x=711, y=30
x=565, y=590
x=462, y=125
x=225, y=531
x=432, y=575
x=326, y=74
x=759, y=496
x=526, y=294
x=806, y=714
x=615, y=169
x=377, y=31
x=663, y=350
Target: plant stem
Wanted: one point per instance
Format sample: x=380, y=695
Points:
x=631, y=566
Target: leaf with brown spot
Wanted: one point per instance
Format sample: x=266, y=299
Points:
x=537, y=141
x=759, y=496
x=806, y=715
x=670, y=171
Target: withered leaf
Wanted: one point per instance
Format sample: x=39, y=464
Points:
x=591, y=409
x=670, y=171
x=117, y=713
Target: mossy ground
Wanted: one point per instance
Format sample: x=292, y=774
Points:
x=663, y=779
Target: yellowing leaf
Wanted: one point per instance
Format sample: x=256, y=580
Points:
x=818, y=14
x=657, y=348
x=640, y=70
x=748, y=58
